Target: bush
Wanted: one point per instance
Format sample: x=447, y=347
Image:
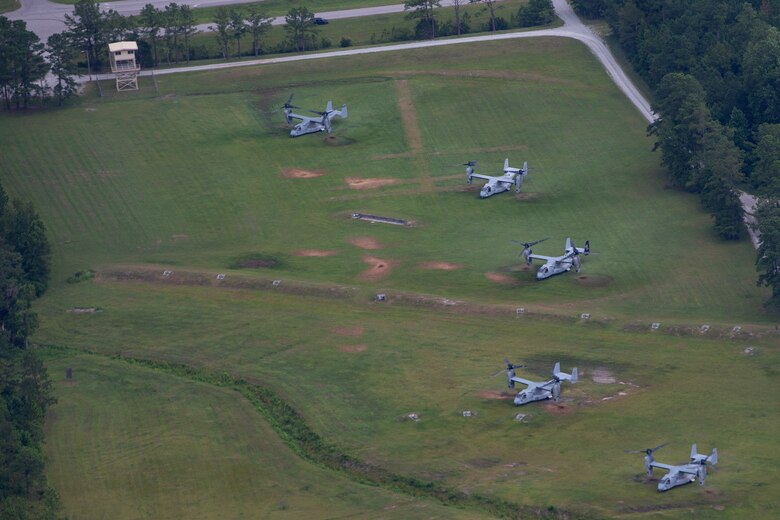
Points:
x=346, y=41
x=400, y=34
x=424, y=31
x=535, y=12
x=80, y=276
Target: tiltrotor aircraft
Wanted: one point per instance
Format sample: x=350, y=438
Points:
x=512, y=176
x=538, y=390
x=310, y=125
x=556, y=264
x=682, y=474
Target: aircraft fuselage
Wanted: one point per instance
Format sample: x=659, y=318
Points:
x=674, y=479
x=552, y=268
x=306, y=128
x=526, y=396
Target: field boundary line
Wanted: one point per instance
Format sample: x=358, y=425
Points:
x=364, y=295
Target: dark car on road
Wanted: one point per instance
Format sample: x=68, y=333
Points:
x=320, y=21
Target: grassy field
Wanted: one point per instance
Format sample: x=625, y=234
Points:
x=355, y=371
x=593, y=177
x=9, y=5
x=201, y=178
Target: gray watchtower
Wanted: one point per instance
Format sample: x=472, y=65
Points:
x=123, y=64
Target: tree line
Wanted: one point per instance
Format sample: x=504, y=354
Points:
x=534, y=13
x=165, y=36
x=714, y=66
x=25, y=389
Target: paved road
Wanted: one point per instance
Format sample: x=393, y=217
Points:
x=45, y=18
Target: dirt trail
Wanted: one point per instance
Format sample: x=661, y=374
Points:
x=412, y=132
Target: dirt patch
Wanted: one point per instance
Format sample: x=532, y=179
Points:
x=354, y=332
x=483, y=463
x=593, y=280
x=353, y=348
x=558, y=408
x=335, y=140
x=408, y=115
x=180, y=237
x=357, y=183
x=83, y=310
x=500, y=278
x=315, y=252
x=602, y=376
x=378, y=268
x=365, y=243
x=494, y=394
x=295, y=173
x=257, y=262
x=445, y=266
x=402, y=155
x=525, y=196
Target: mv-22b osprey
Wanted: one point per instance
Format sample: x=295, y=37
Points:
x=682, y=474
x=556, y=264
x=310, y=125
x=538, y=390
x=512, y=176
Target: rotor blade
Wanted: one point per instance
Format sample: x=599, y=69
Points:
x=651, y=450
x=287, y=103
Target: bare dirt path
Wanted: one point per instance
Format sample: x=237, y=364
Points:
x=412, y=132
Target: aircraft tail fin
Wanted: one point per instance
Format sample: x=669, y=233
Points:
x=343, y=112
x=714, y=456
x=563, y=376
x=506, y=164
x=525, y=168
x=329, y=107
x=694, y=451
